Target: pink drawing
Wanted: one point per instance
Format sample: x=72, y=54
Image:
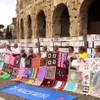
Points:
x=12, y=60
x=21, y=72
x=7, y=59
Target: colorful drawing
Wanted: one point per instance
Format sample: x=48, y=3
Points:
x=61, y=59
x=12, y=60
x=36, y=62
x=51, y=59
x=7, y=59
x=40, y=77
x=61, y=74
x=50, y=76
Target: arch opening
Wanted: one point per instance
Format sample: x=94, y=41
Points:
x=94, y=18
x=90, y=17
x=17, y=25
x=41, y=24
x=29, y=26
x=22, y=28
x=61, y=21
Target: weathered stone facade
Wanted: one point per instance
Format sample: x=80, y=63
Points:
x=48, y=18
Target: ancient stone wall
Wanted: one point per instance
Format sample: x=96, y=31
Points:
x=76, y=23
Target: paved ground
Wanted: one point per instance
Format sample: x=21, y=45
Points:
x=5, y=96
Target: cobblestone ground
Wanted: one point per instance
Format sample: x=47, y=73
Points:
x=6, y=96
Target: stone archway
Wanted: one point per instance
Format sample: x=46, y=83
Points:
x=94, y=18
x=29, y=27
x=41, y=24
x=90, y=17
x=17, y=30
x=61, y=21
x=22, y=28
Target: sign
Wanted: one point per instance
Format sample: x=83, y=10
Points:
x=34, y=93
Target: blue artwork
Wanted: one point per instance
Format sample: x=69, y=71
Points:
x=34, y=93
x=70, y=86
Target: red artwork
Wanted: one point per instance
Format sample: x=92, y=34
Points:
x=49, y=77
x=61, y=74
x=36, y=62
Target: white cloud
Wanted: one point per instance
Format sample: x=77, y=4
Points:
x=7, y=11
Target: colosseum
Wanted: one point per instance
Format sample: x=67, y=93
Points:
x=49, y=18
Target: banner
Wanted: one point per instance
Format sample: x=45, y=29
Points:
x=33, y=93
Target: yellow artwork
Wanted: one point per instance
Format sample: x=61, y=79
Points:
x=99, y=84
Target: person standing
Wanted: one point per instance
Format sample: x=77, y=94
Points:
x=44, y=53
x=23, y=56
x=56, y=49
x=7, y=50
x=29, y=57
x=97, y=51
x=31, y=53
x=15, y=50
x=71, y=55
x=22, y=53
x=82, y=53
x=43, y=56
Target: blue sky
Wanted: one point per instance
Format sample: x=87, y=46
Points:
x=7, y=11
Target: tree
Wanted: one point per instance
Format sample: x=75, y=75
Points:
x=1, y=26
x=1, y=32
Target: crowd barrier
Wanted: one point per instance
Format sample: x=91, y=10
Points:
x=62, y=42
x=53, y=73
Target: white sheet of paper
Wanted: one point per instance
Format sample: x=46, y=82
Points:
x=96, y=43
